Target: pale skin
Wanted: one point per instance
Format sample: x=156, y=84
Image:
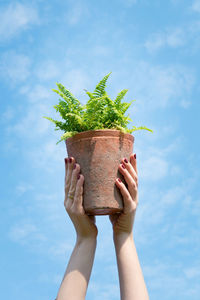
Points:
x=76, y=278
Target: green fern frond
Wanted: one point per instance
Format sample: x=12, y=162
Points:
x=67, y=94
x=125, y=106
x=89, y=94
x=59, y=124
x=67, y=135
x=139, y=128
x=120, y=96
x=62, y=108
x=76, y=118
x=100, y=88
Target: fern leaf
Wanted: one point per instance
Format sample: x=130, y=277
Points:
x=67, y=95
x=58, y=124
x=67, y=135
x=76, y=118
x=100, y=88
x=89, y=94
x=120, y=96
x=139, y=128
x=124, y=106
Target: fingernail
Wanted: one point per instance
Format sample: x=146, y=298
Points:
x=78, y=176
x=119, y=180
x=135, y=155
x=66, y=160
x=75, y=166
x=70, y=160
x=126, y=161
x=123, y=166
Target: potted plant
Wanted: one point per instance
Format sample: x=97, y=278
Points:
x=96, y=135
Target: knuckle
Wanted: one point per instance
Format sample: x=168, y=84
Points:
x=67, y=182
x=134, y=184
x=136, y=178
x=77, y=167
x=67, y=206
x=133, y=207
x=72, y=189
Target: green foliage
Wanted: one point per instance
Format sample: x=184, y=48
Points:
x=100, y=112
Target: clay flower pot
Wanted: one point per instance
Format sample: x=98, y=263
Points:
x=99, y=153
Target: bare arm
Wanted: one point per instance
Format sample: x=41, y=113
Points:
x=132, y=285
x=77, y=275
x=75, y=282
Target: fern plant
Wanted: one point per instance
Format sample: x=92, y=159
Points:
x=100, y=112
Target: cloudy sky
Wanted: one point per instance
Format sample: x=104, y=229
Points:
x=152, y=49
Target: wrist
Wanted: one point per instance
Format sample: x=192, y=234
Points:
x=86, y=240
x=120, y=238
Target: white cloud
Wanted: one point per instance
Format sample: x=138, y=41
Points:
x=48, y=70
x=14, y=68
x=37, y=93
x=32, y=125
x=23, y=187
x=196, y=6
x=169, y=38
x=76, y=12
x=25, y=232
x=193, y=272
x=175, y=38
x=155, y=42
x=154, y=168
x=75, y=80
x=7, y=115
x=16, y=17
x=166, y=277
x=48, y=156
x=159, y=87
x=61, y=249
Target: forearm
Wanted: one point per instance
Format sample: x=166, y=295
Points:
x=132, y=285
x=77, y=275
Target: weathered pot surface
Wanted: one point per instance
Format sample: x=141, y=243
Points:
x=99, y=153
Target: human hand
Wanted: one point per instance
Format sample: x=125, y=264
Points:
x=123, y=223
x=84, y=225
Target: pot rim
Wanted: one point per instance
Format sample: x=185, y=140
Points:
x=100, y=133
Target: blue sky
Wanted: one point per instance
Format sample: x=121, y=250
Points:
x=152, y=49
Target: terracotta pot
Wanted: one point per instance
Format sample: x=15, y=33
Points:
x=99, y=153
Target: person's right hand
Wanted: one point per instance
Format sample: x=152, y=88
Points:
x=84, y=225
x=123, y=223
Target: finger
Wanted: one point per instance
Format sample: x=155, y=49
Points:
x=67, y=181
x=129, y=179
x=130, y=169
x=68, y=170
x=66, y=165
x=78, y=197
x=129, y=204
x=68, y=178
x=134, y=162
x=74, y=172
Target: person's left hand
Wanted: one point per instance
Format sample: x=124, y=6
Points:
x=84, y=225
